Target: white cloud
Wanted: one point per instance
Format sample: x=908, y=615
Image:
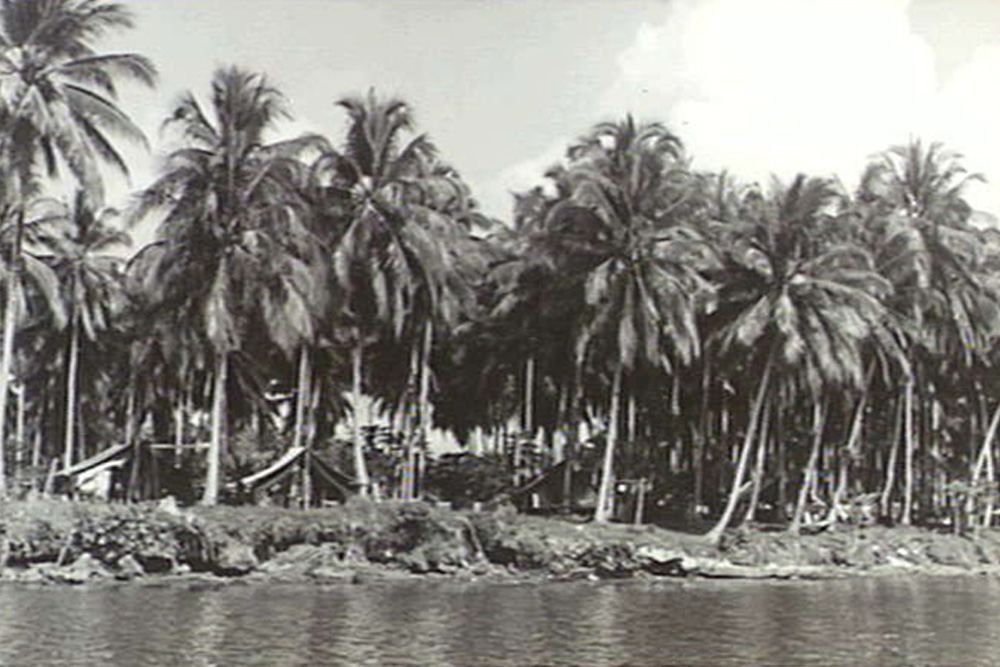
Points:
x=782, y=86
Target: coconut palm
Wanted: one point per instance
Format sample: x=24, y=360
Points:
x=802, y=308
x=58, y=105
x=398, y=261
x=233, y=236
x=618, y=237
x=918, y=220
x=79, y=239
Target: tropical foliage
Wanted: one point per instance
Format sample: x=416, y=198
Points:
x=796, y=353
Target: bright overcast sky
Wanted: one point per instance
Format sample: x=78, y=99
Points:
x=770, y=86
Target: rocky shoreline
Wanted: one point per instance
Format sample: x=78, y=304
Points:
x=54, y=542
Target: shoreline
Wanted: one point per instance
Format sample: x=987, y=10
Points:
x=53, y=542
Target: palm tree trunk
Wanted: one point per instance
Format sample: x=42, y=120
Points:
x=357, y=437
x=990, y=475
x=890, y=466
x=424, y=407
x=758, y=472
x=19, y=431
x=303, y=396
x=9, y=322
x=217, y=440
x=71, y=373
x=809, y=477
x=908, y=408
x=737, y=490
x=605, y=499
x=981, y=461
x=179, y=416
x=849, y=451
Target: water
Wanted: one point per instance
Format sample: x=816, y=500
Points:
x=921, y=621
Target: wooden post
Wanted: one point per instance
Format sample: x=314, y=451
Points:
x=640, y=503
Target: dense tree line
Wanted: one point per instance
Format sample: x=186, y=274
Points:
x=749, y=351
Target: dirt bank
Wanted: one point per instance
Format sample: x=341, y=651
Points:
x=51, y=542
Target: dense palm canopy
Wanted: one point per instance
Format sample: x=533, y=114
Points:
x=233, y=238
x=785, y=353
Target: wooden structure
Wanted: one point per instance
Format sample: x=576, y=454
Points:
x=296, y=468
x=567, y=485
x=121, y=472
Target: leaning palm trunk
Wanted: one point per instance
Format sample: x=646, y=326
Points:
x=71, y=375
x=360, y=467
x=738, y=489
x=836, y=511
x=217, y=440
x=758, y=472
x=809, y=478
x=605, y=499
x=983, y=460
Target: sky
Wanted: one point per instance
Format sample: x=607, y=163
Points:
x=503, y=86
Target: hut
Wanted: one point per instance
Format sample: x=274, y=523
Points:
x=125, y=471
x=566, y=486
x=285, y=475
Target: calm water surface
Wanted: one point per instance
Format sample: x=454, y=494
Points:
x=924, y=621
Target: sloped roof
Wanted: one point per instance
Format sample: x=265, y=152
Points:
x=100, y=458
x=284, y=465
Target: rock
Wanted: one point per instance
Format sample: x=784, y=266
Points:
x=156, y=563
x=83, y=569
x=168, y=505
x=660, y=561
x=331, y=574
x=235, y=560
x=128, y=568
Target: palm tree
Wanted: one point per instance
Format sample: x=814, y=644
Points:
x=619, y=239
x=31, y=285
x=58, y=103
x=79, y=239
x=396, y=260
x=803, y=308
x=917, y=218
x=233, y=226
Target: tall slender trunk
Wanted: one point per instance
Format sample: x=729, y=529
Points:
x=527, y=419
x=737, y=490
x=529, y=396
x=19, y=431
x=218, y=437
x=9, y=325
x=758, y=472
x=71, y=374
x=303, y=396
x=9, y=322
x=891, y=464
x=605, y=499
x=357, y=437
x=809, y=477
x=990, y=475
x=424, y=414
x=702, y=427
x=850, y=450
x=908, y=408
x=179, y=418
x=573, y=437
